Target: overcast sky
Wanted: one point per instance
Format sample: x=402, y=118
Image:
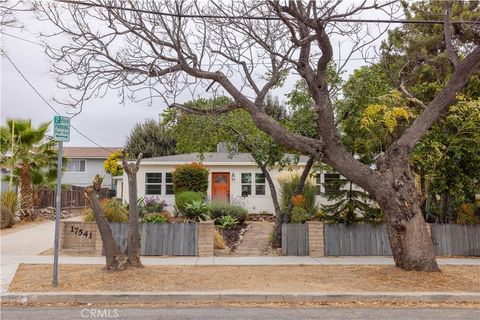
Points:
x=104, y=120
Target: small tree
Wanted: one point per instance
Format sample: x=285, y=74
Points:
x=150, y=138
x=133, y=239
x=190, y=177
x=115, y=260
x=112, y=166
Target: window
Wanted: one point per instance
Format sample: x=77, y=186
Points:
x=168, y=183
x=318, y=183
x=76, y=165
x=153, y=183
x=246, y=184
x=259, y=184
x=331, y=183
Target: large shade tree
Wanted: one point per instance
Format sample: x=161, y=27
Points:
x=155, y=48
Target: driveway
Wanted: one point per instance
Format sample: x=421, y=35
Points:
x=24, y=242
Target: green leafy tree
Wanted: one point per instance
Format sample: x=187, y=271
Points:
x=151, y=139
x=113, y=165
x=197, y=133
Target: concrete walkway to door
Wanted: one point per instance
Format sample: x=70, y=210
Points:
x=256, y=239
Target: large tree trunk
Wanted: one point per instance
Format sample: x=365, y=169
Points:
x=277, y=229
x=133, y=240
x=410, y=240
x=26, y=191
x=115, y=260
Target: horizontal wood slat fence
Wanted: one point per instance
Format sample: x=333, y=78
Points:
x=372, y=240
x=161, y=239
x=73, y=197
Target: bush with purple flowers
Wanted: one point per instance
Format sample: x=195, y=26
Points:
x=152, y=204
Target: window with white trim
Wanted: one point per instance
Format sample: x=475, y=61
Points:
x=246, y=184
x=168, y=183
x=77, y=165
x=260, y=184
x=331, y=183
x=153, y=183
x=318, y=183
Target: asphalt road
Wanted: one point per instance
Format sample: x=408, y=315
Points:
x=225, y=313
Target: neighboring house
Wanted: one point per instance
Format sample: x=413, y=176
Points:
x=235, y=179
x=84, y=163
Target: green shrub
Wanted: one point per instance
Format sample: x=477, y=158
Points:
x=114, y=210
x=156, y=218
x=197, y=210
x=227, y=222
x=218, y=210
x=190, y=177
x=11, y=200
x=288, y=183
x=299, y=215
x=7, y=218
x=184, y=198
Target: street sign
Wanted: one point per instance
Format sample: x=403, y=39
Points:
x=61, y=128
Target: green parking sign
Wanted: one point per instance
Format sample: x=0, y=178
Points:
x=61, y=128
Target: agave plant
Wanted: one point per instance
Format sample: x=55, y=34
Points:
x=197, y=210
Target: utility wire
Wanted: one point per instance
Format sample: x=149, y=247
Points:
x=46, y=101
x=210, y=64
x=265, y=18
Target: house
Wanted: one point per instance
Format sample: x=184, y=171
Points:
x=232, y=178
x=84, y=163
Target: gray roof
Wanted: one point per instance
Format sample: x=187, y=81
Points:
x=211, y=157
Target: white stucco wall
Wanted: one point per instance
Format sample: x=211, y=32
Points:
x=84, y=179
x=253, y=203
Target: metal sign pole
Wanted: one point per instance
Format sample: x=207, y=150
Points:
x=57, y=213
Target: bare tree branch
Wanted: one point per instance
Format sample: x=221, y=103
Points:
x=447, y=26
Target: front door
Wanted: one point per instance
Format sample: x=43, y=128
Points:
x=221, y=187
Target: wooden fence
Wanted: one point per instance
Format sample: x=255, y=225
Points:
x=356, y=240
x=372, y=240
x=295, y=239
x=73, y=197
x=456, y=239
x=159, y=239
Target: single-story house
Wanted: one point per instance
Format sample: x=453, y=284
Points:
x=84, y=163
x=232, y=178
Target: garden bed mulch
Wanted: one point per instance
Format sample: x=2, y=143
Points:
x=232, y=236
x=302, y=278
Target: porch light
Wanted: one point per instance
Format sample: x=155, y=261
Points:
x=233, y=176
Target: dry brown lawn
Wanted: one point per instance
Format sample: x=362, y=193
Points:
x=304, y=278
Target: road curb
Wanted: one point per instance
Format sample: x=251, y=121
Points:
x=235, y=297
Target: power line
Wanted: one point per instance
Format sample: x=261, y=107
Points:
x=264, y=18
x=46, y=101
x=211, y=64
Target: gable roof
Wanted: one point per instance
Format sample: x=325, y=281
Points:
x=88, y=152
x=211, y=157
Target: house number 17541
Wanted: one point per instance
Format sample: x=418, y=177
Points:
x=80, y=232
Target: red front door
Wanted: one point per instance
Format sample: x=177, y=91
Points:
x=221, y=187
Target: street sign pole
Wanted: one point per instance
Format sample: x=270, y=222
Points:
x=57, y=213
x=61, y=133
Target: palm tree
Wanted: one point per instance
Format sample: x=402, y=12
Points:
x=28, y=152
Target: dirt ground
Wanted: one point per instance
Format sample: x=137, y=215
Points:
x=306, y=278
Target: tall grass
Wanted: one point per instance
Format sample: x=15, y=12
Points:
x=288, y=182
